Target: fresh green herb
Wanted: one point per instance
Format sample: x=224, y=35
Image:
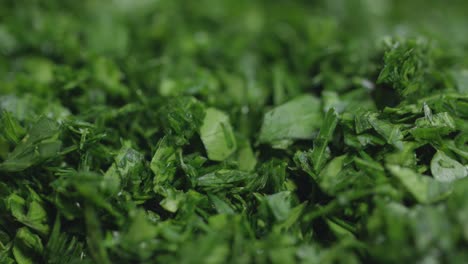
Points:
x=235, y=131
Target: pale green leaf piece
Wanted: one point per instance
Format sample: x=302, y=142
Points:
x=446, y=169
x=299, y=118
x=217, y=135
x=280, y=204
x=173, y=199
x=245, y=155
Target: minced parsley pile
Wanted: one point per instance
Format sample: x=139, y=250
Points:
x=233, y=131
